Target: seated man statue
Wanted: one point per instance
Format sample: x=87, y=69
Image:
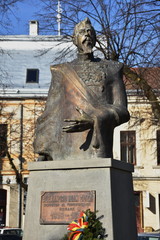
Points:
x=86, y=101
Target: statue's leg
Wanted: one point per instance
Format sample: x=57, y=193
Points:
x=102, y=141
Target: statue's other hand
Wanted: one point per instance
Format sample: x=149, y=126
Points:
x=79, y=125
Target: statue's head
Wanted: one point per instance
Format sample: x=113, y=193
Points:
x=84, y=36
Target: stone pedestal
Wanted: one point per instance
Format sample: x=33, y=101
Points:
x=110, y=179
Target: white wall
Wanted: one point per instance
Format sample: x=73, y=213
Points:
x=24, y=52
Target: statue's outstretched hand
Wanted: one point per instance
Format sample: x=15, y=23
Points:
x=79, y=125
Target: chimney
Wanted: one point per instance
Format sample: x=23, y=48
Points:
x=33, y=28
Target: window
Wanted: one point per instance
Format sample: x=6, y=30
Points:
x=139, y=209
x=3, y=139
x=128, y=146
x=32, y=76
x=3, y=203
x=158, y=147
x=25, y=195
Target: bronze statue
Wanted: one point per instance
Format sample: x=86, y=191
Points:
x=86, y=101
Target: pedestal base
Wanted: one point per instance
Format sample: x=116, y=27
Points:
x=110, y=179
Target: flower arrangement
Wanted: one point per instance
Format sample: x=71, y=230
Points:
x=87, y=227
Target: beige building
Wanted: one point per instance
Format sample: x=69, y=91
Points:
x=17, y=124
x=22, y=100
x=138, y=142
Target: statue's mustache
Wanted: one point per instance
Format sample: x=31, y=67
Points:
x=87, y=39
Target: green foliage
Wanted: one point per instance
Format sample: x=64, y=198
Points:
x=94, y=231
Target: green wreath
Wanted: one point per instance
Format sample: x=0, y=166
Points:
x=87, y=227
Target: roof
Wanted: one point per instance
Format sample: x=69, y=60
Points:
x=34, y=38
x=151, y=75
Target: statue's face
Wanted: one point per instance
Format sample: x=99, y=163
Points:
x=85, y=38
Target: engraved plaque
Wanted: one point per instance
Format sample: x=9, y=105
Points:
x=65, y=207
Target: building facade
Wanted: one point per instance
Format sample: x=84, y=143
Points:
x=24, y=82
x=25, y=79
x=137, y=142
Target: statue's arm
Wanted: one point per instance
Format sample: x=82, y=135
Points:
x=55, y=94
x=119, y=96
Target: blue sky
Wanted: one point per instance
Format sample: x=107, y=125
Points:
x=22, y=14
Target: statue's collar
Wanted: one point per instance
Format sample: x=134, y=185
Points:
x=85, y=56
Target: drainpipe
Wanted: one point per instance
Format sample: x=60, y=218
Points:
x=20, y=167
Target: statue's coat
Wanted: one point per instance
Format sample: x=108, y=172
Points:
x=94, y=90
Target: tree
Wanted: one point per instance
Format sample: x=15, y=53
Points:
x=7, y=9
x=130, y=33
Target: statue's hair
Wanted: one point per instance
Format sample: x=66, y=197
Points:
x=86, y=21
